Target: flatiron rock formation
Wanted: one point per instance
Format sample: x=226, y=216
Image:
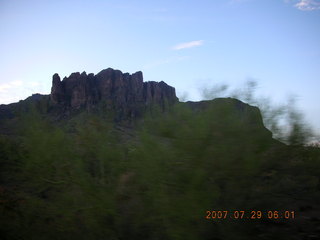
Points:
x=123, y=93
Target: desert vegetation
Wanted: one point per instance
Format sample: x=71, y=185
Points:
x=88, y=178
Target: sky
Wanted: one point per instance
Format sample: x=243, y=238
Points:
x=189, y=44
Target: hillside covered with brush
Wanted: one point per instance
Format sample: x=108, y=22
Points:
x=109, y=156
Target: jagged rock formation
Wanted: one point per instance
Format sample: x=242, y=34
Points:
x=126, y=94
x=124, y=97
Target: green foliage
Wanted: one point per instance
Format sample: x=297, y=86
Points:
x=90, y=179
x=285, y=121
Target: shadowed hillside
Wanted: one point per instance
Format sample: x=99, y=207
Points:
x=107, y=156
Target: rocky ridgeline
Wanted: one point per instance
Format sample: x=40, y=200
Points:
x=124, y=97
x=126, y=94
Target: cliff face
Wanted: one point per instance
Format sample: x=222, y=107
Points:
x=126, y=94
x=124, y=97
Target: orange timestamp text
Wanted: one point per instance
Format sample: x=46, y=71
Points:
x=251, y=214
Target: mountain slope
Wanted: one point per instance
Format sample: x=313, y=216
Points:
x=73, y=168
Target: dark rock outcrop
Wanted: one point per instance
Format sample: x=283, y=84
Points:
x=127, y=95
x=123, y=97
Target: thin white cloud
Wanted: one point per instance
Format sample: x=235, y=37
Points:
x=13, y=84
x=188, y=45
x=306, y=5
x=34, y=84
x=17, y=83
x=4, y=87
x=13, y=91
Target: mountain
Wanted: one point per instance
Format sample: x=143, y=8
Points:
x=123, y=96
x=108, y=156
x=126, y=94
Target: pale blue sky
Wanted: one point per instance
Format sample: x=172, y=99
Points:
x=186, y=43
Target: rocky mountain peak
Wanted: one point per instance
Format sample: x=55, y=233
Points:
x=124, y=93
